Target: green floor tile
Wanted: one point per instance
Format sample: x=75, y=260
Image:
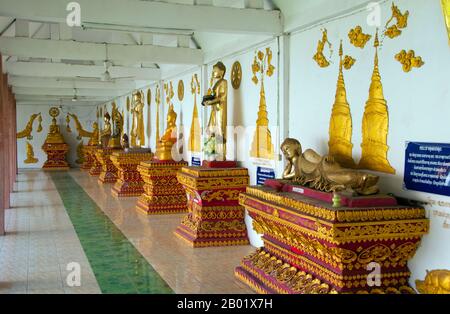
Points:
x=118, y=267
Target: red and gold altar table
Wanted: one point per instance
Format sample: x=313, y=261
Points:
x=88, y=158
x=129, y=182
x=215, y=217
x=163, y=194
x=109, y=171
x=56, y=156
x=311, y=247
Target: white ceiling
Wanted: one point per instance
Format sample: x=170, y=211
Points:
x=143, y=41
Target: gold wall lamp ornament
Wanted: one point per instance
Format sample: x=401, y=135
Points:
x=358, y=38
x=319, y=57
x=375, y=125
x=30, y=155
x=436, y=282
x=340, y=145
x=27, y=132
x=262, y=146
x=395, y=30
x=409, y=60
x=195, y=136
x=446, y=8
x=236, y=75
x=180, y=90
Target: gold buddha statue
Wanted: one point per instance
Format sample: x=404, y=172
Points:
x=217, y=99
x=105, y=134
x=117, y=125
x=137, y=128
x=324, y=173
x=54, y=135
x=165, y=144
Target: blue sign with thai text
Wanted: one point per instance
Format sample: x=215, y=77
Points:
x=262, y=174
x=196, y=162
x=427, y=168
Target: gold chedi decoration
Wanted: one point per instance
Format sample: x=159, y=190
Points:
x=409, y=60
x=195, y=137
x=137, y=126
x=340, y=144
x=262, y=146
x=169, y=139
x=358, y=38
x=446, y=8
x=319, y=57
x=27, y=132
x=436, y=282
x=375, y=125
x=82, y=133
x=30, y=155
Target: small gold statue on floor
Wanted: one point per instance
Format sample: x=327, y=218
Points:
x=30, y=155
x=217, y=99
x=137, y=128
x=436, y=282
x=324, y=173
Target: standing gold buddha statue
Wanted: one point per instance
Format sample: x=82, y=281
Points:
x=105, y=134
x=137, y=128
x=217, y=98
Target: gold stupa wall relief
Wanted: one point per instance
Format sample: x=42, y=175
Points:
x=375, y=124
x=446, y=9
x=195, y=134
x=27, y=133
x=262, y=146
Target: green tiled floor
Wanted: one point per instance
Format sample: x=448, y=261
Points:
x=117, y=265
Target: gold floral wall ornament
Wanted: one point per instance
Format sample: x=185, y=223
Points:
x=195, y=136
x=262, y=146
x=395, y=30
x=436, y=282
x=149, y=97
x=236, y=75
x=409, y=60
x=181, y=90
x=319, y=57
x=358, y=38
x=446, y=8
x=348, y=62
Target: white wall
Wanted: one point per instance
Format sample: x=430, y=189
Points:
x=418, y=101
x=87, y=116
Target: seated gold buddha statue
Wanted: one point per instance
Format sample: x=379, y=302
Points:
x=165, y=144
x=324, y=173
x=54, y=135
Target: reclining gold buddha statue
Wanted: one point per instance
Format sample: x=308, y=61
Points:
x=324, y=173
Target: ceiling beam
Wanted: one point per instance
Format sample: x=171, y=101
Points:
x=37, y=69
x=57, y=99
x=69, y=92
x=39, y=82
x=66, y=49
x=53, y=103
x=150, y=14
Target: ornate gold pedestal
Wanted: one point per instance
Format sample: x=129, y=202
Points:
x=215, y=217
x=96, y=167
x=88, y=158
x=163, y=194
x=109, y=171
x=311, y=247
x=56, y=156
x=129, y=182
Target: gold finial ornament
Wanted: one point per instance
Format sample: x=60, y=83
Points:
x=236, y=75
x=395, y=30
x=137, y=127
x=27, y=132
x=358, y=38
x=196, y=131
x=30, y=155
x=375, y=125
x=319, y=57
x=340, y=145
x=262, y=146
x=180, y=90
x=436, y=282
x=408, y=60
x=323, y=173
x=215, y=147
x=149, y=97
x=446, y=8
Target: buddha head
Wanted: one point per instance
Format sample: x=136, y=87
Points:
x=219, y=70
x=137, y=97
x=291, y=148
